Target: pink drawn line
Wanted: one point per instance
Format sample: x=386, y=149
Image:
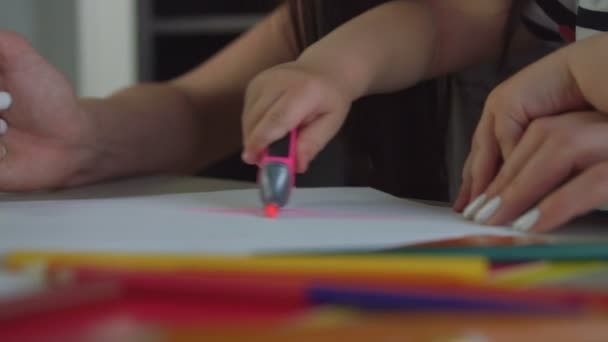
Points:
x=302, y=213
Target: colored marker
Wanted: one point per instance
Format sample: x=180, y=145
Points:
x=277, y=174
x=302, y=292
x=470, y=268
x=517, y=253
x=59, y=298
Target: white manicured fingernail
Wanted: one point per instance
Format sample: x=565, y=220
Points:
x=472, y=208
x=525, y=222
x=6, y=100
x=3, y=151
x=488, y=210
x=3, y=127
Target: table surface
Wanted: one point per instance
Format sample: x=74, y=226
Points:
x=143, y=186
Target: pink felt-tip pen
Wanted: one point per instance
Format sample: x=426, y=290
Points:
x=277, y=173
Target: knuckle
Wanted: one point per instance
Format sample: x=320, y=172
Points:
x=275, y=118
x=505, y=104
x=540, y=127
x=504, y=137
x=495, y=98
x=498, y=99
x=311, y=86
x=570, y=143
x=260, y=81
x=267, y=77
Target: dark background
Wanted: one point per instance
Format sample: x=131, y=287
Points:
x=176, y=36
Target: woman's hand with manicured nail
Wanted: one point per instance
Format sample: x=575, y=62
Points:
x=45, y=135
x=557, y=172
x=570, y=79
x=6, y=100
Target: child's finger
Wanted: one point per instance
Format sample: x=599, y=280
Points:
x=254, y=112
x=313, y=137
x=251, y=115
x=286, y=114
x=584, y=193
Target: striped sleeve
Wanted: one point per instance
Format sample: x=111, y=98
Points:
x=592, y=17
x=551, y=20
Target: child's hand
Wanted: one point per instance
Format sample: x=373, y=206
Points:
x=290, y=96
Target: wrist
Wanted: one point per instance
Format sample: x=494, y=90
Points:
x=97, y=159
x=349, y=76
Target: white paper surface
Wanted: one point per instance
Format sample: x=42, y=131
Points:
x=228, y=222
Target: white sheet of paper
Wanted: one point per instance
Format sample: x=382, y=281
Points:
x=228, y=222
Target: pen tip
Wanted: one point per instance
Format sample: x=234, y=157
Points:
x=271, y=210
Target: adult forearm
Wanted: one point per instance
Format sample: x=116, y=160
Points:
x=155, y=128
x=185, y=124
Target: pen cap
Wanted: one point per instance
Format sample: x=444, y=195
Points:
x=275, y=183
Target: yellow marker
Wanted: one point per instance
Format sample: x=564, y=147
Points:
x=460, y=268
x=542, y=273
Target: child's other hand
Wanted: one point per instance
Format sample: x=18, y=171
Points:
x=289, y=96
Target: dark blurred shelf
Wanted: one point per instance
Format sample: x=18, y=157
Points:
x=176, y=54
x=176, y=36
x=187, y=8
x=206, y=24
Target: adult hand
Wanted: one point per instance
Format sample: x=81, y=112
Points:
x=48, y=137
x=569, y=79
x=290, y=96
x=559, y=169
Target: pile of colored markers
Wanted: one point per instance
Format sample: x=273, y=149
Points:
x=448, y=290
